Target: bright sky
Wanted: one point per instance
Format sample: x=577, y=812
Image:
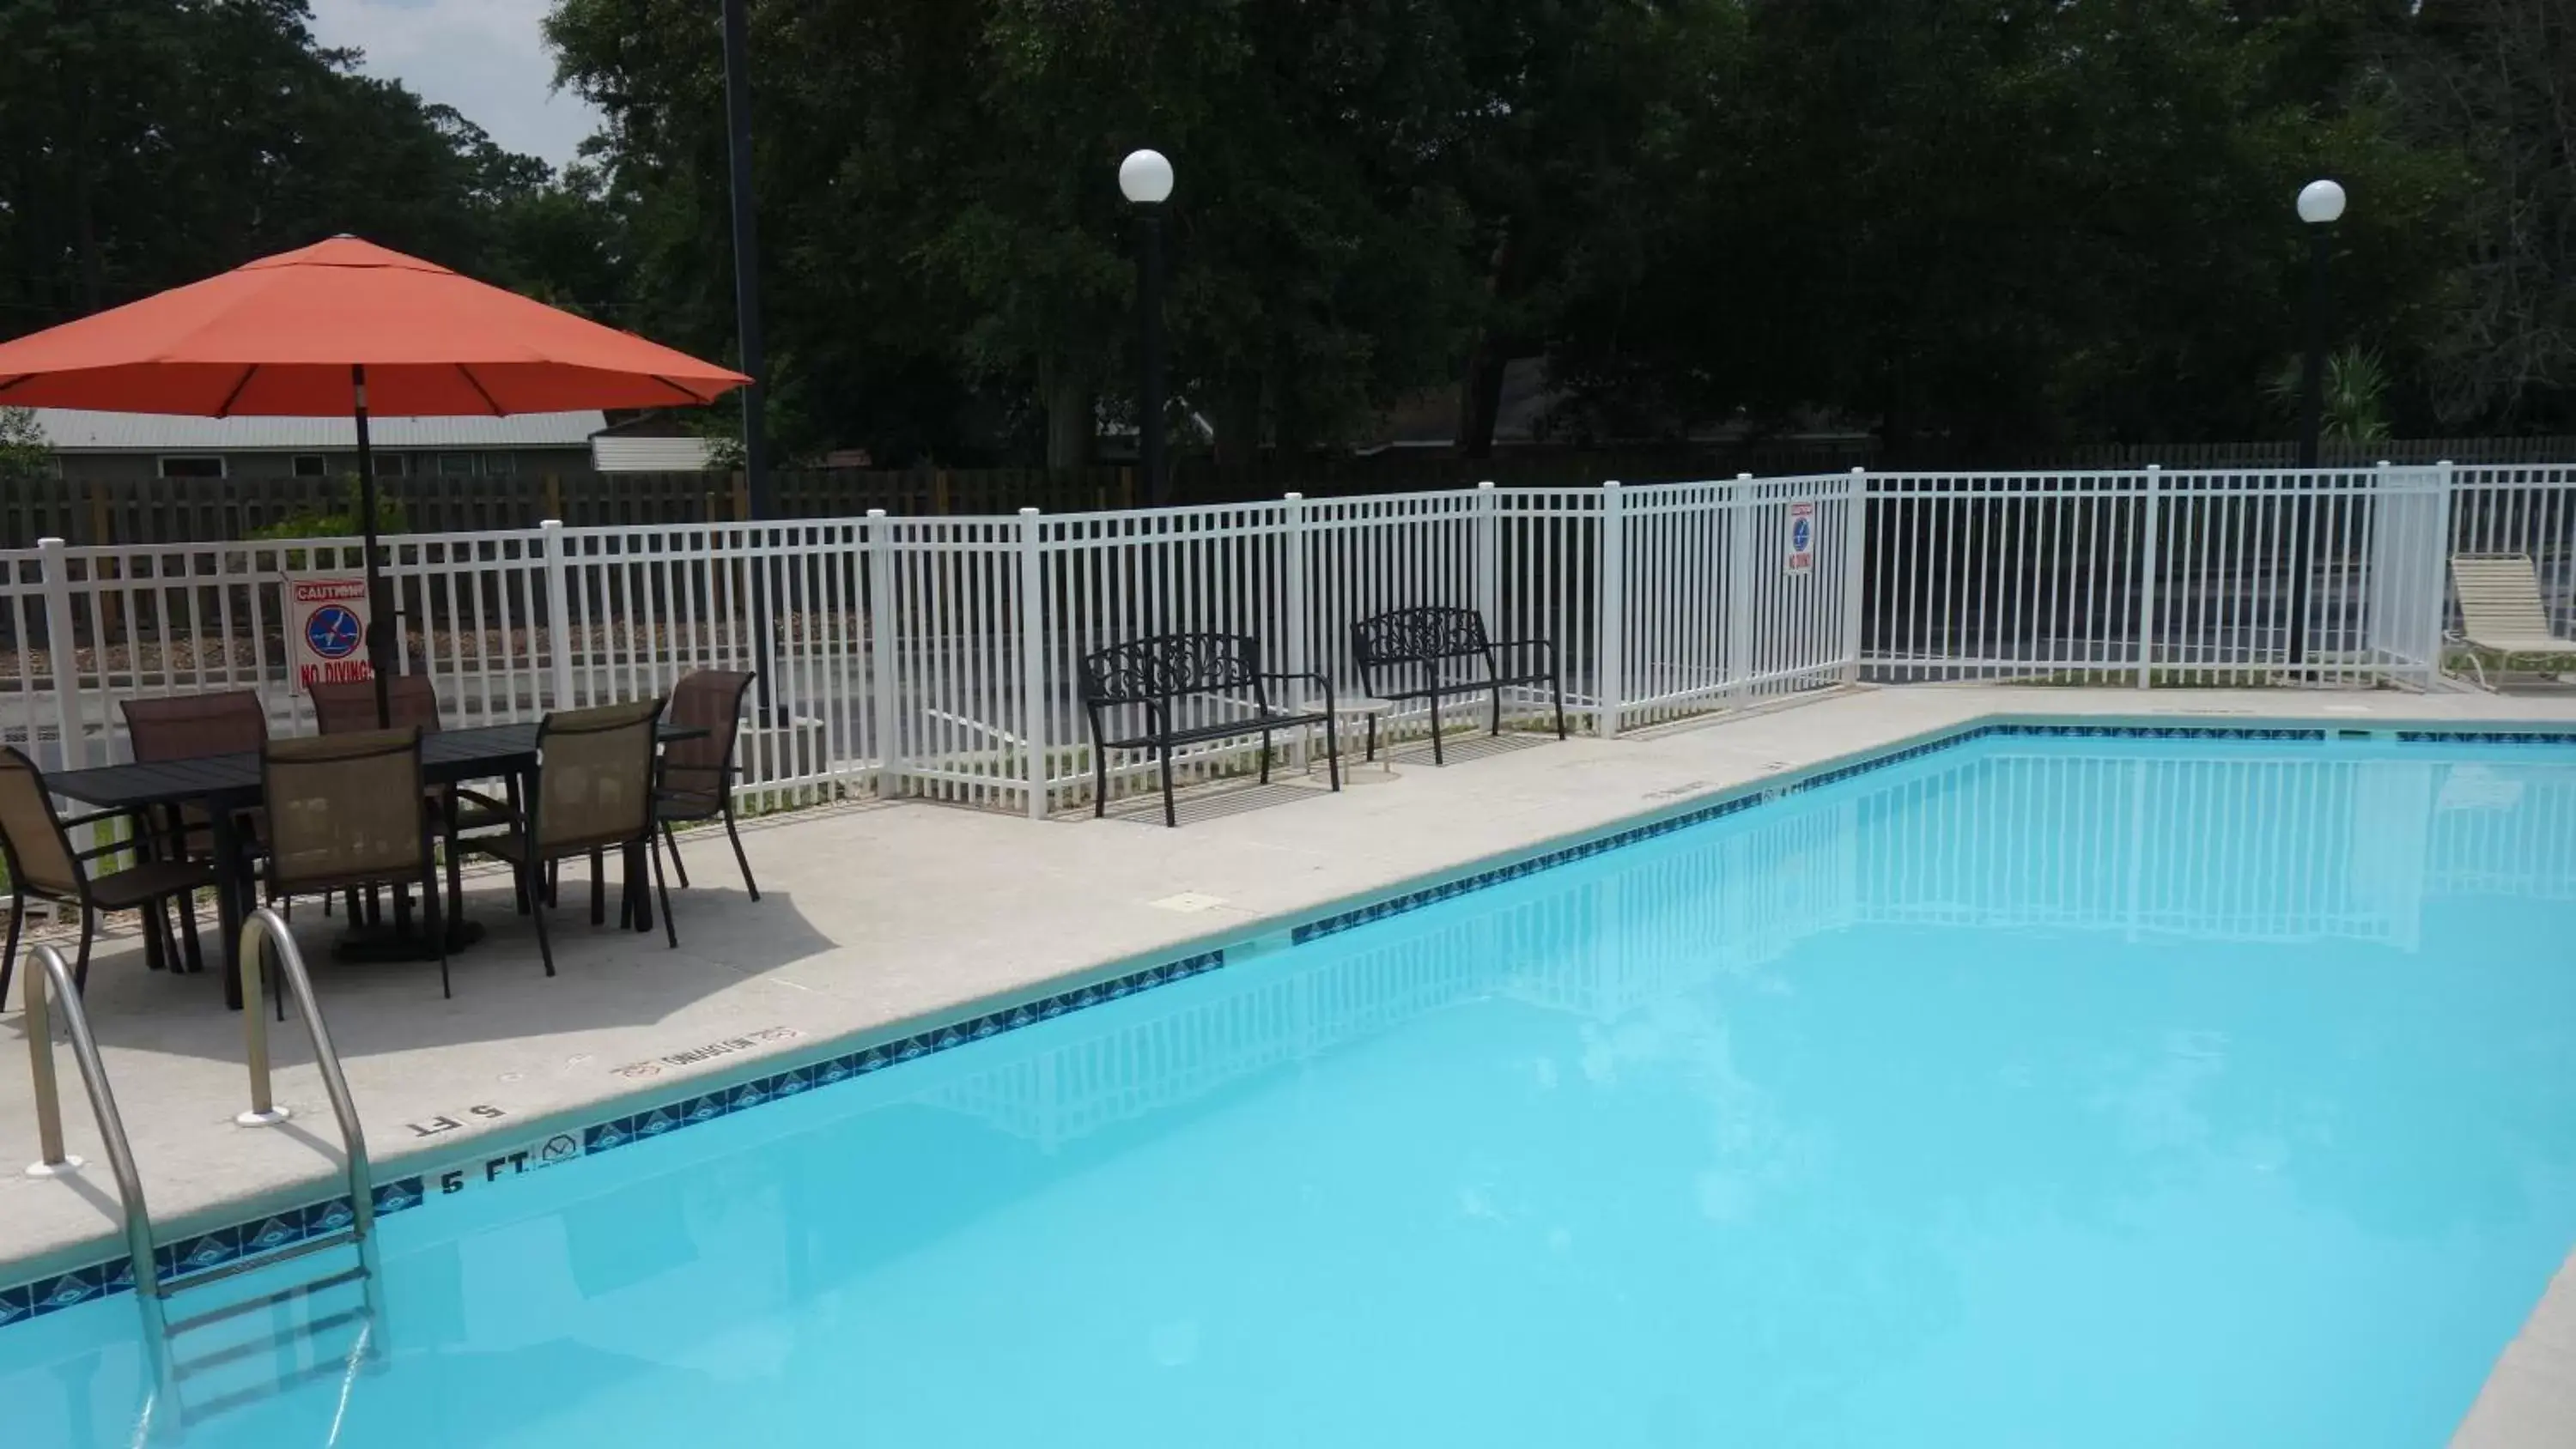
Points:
x=487, y=58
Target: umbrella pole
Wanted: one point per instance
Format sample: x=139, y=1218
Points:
x=380, y=621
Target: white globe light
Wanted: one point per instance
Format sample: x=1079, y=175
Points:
x=1145, y=178
x=2320, y=202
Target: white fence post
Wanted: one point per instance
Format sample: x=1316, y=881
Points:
x=1033, y=700
x=62, y=646
x=1292, y=585
x=884, y=673
x=1610, y=621
x=2151, y=515
x=1739, y=583
x=1489, y=554
x=558, y=611
x=2437, y=568
x=1855, y=570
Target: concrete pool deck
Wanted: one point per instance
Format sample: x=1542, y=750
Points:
x=879, y=919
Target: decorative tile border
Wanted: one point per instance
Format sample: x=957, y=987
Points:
x=741, y=1096
x=197, y=1253
x=216, y=1247
x=2485, y=737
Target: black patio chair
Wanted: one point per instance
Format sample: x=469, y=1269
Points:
x=593, y=793
x=697, y=774
x=43, y=863
x=349, y=809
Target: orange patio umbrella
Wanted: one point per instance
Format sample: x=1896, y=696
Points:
x=347, y=326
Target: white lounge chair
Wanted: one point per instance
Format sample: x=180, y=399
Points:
x=2501, y=613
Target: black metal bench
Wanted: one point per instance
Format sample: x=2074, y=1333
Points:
x=1163, y=676
x=1453, y=656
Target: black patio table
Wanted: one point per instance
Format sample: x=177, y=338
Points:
x=226, y=783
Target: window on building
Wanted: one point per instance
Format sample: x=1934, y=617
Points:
x=456, y=465
x=391, y=465
x=499, y=465
x=312, y=465
x=191, y=465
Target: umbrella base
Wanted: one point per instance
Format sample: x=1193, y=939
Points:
x=385, y=943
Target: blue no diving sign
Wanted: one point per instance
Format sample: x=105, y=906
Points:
x=1802, y=537
x=332, y=632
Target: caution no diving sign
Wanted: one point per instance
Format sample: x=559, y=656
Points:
x=326, y=624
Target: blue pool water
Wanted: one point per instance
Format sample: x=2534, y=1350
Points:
x=2032, y=1093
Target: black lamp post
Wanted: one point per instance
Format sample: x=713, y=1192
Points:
x=746, y=264
x=1145, y=179
x=2320, y=206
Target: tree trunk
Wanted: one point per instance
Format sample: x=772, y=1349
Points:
x=1238, y=420
x=1480, y=392
x=93, y=271
x=1480, y=397
x=1071, y=422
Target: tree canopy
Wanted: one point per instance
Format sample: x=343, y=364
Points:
x=152, y=142
x=1992, y=222
x=1986, y=222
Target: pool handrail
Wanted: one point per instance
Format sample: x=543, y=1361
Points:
x=265, y=925
x=51, y=976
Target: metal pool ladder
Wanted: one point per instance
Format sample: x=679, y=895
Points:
x=168, y=1410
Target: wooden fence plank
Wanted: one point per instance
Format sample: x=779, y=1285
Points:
x=195, y=510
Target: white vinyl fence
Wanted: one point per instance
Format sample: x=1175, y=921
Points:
x=939, y=657
x=2204, y=577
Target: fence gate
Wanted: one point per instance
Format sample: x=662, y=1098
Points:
x=2409, y=534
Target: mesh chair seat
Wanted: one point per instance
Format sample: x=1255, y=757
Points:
x=124, y=890
x=473, y=811
x=682, y=805
x=512, y=845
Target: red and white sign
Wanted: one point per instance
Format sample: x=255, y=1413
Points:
x=1802, y=537
x=326, y=623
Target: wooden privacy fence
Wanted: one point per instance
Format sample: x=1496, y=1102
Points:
x=204, y=510
x=231, y=510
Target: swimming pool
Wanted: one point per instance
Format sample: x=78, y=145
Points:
x=2033, y=1091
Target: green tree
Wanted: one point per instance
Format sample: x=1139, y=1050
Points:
x=1992, y=225
x=155, y=141
x=24, y=451
x=2352, y=404
x=1967, y=225
x=2493, y=84
x=946, y=254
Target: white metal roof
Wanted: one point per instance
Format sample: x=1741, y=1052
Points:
x=618, y=453
x=75, y=430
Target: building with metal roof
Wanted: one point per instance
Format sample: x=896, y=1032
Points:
x=107, y=447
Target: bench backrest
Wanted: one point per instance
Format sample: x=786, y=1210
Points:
x=1164, y=667
x=1423, y=635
